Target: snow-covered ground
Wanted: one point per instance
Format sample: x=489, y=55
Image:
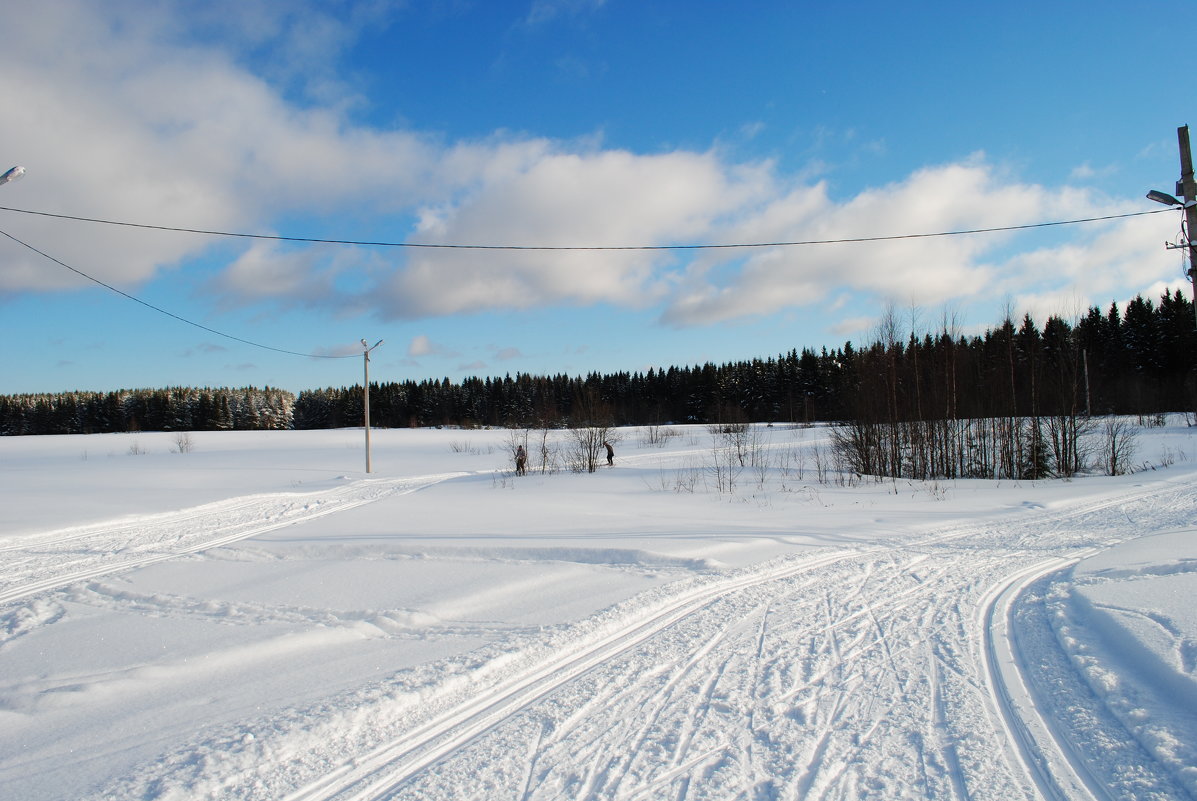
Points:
x=251, y=616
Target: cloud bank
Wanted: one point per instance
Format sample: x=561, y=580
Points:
x=181, y=127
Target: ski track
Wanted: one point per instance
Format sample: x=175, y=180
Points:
x=55, y=559
x=888, y=669
x=1080, y=737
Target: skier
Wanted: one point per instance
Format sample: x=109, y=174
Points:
x=521, y=460
x=610, y=454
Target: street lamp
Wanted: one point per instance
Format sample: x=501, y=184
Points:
x=366, y=394
x=1165, y=198
x=1186, y=187
x=12, y=175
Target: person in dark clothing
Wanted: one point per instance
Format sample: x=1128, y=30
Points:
x=521, y=461
x=610, y=454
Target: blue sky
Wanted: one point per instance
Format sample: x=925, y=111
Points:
x=564, y=123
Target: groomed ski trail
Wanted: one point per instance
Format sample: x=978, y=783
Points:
x=872, y=671
x=891, y=651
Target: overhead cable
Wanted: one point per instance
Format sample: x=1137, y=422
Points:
x=445, y=246
x=168, y=313
x=363, y=243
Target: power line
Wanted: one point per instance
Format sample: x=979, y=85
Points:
x=160, y=310
x=314, y=240
x=442, y=246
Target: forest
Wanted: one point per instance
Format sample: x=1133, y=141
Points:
x=912, y=403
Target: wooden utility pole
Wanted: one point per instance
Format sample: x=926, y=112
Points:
x=366, y=394
x=1187, y=189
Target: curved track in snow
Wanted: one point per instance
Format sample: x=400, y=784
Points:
x=887, y=670
x=1056, y=771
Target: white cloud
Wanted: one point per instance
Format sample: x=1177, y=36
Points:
x=855, y=327
x=1057, y=280
x=1086, y=171
x=927, y=271
x=328, y=277
x=562, y=199
x=507, y=354
x=265, y=271
x=178, y=130
x=421, y=345
x=118, y=114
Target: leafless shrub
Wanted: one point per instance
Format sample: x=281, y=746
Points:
x=1117, y=445
x=682, y=480
x=1168, y=457
x=760, y=466
x=1069, y=445
x=591, y=429
x=736, y=437
x=549, y=452
x=822, y=467
x=723, y=468
x=656, y=436
x=467, y=447
x=589, y=449
x=792, y=463
x=686, y=479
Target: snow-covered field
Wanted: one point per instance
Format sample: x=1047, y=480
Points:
x=254, y=617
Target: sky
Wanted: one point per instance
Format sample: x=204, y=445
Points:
x=615, y=132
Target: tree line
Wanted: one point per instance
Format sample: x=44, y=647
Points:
x=1138, y=361
x=1135, y=362
x=1019, y=402
x=172, y=409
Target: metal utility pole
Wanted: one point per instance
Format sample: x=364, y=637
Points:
x=366, y=394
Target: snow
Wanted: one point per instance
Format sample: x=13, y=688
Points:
x=1126, y=620
x=254, y=617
